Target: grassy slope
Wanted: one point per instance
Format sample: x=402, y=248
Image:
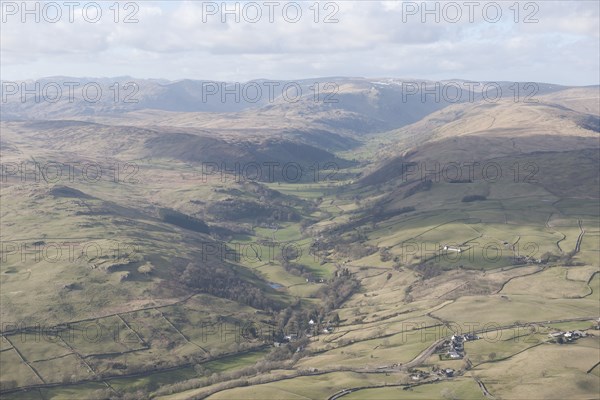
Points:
x=395, y=315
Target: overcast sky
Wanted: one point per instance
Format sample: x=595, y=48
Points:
x=559, y=43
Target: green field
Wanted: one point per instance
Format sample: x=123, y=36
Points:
x=132, y=301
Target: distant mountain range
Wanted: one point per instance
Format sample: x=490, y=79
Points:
x=304, y=120
x=359, y=104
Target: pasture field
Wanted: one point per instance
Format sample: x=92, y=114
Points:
x=235, y=361
x=307, y=387
x=545, y=371
x=523, y=259
x=395, y=349
x=552, y=283
x=152, y=381
x=510, y=309
x=19, y=374
x=497, y=345
x=583, y=273
x=460, y=388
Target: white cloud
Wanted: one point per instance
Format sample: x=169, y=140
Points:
x=179, y=39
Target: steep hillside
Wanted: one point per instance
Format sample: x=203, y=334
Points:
x=467, y=133
x=202, y=279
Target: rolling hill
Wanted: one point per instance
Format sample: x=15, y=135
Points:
x=163, y=267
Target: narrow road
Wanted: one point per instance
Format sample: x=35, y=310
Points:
x=418, y=360
x=483, y=388
x=431, y=349
x=425, y=354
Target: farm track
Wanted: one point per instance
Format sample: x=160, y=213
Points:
x=484, y=390
x=433, y=228
x=580, y=237
x=558, y=243
x=423, y=356
x=345, y=392
x=431, y=349
x=547, y=223
x=548, y=220
x=419, y=359
x=589, y=371
x=387, y=335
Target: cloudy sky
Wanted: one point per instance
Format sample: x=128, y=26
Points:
x=543, y=41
